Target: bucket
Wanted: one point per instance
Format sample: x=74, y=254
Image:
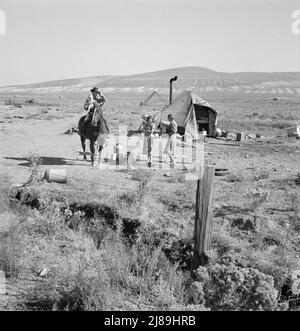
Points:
x=56, y=175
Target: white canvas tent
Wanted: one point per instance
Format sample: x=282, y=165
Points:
x=192, y=114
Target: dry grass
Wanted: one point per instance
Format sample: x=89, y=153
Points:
x=115, y=276
x=93, y=266
x=10, y=253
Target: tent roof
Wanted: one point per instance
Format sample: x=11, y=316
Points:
x=187, y=94
x=181, y=106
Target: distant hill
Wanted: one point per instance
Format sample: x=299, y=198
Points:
x=196, y=78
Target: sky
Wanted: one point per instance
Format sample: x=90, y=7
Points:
x=59, y=39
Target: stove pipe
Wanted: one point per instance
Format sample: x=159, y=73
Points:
x=171, y=88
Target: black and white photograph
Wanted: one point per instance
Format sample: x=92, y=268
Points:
x=149, y=158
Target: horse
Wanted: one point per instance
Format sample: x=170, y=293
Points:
x=96, y=130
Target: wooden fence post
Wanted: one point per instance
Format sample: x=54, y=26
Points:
x=160, y=156
x=203, y=218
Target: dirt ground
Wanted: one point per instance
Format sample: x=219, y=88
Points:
x=269, y=164
x=39, y=129
x=28, y=130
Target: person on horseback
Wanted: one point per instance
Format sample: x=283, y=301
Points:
x=95, y=99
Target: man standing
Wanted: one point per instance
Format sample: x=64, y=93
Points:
x=95, y=99
x=171, y=130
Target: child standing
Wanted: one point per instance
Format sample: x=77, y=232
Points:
x=148, y=130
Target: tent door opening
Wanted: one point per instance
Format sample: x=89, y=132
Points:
x=203, y=127
x=202, y=118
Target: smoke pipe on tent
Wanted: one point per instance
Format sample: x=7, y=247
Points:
x=171, y=88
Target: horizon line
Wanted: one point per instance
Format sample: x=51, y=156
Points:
x=149, y=72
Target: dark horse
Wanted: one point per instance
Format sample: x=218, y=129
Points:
x=95, y=129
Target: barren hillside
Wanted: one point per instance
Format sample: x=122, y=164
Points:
x=197, y=78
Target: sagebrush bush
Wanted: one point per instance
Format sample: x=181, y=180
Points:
x=228, y=286
x=35, y=162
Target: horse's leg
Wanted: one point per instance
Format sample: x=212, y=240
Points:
x=149, y=160
x=92, y=149
x=96, y=151
x=99, y=155
x=83, y=139
x=149, y=141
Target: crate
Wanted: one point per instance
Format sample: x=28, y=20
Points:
x=294, y=131
x=240, y=136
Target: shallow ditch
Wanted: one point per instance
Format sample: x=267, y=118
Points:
x=80, y=214
x=95, y=218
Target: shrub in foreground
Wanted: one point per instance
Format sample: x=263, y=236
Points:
x=229, y=286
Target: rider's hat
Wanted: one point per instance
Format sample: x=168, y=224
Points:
x=95, y=89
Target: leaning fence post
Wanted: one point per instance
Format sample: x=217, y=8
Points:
x=203, y=218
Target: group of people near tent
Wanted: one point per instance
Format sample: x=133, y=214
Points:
x=188, y=114
x=148, y=127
